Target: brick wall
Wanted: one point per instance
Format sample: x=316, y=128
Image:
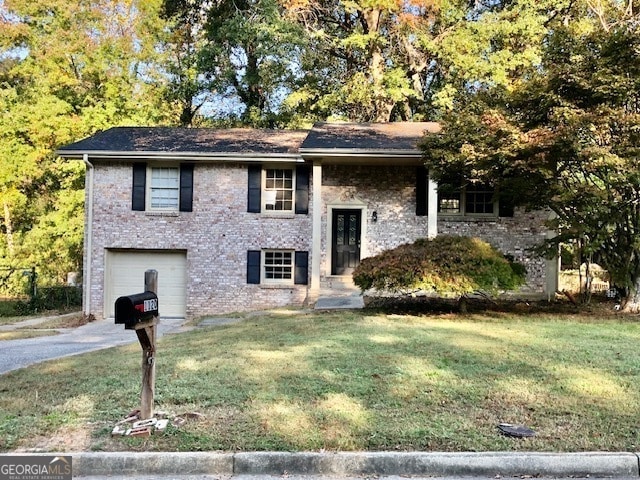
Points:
x=390, y=192
x=219, y=231
x=216, y=237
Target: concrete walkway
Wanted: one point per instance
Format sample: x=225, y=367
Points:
x=340, y=300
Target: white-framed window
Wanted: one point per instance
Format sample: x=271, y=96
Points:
x=471, y=200
x=277, y=266
x=278, y=190
x=164, y=188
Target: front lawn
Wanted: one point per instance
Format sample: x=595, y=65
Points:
x=348, y=381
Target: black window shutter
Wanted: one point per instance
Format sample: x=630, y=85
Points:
x=253, y=266
x=505, y=206
x=139, y=187
x=301, y=276
x=302, y=189
x=186, y=187
x=421, y=191
x=255, y=187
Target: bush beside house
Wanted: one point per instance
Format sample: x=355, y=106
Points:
x=445, y=265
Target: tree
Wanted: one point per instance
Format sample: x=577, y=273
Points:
x=67, y=69
x=566, y=139
x=184, y=41
x=386, y=60
x=365, y=60
x=252, y=57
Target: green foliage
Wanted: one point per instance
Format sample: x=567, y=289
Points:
x=376, y=60
x=61, y=298
x=10, y=308
x=251, y=57
x=66, y=70
x=445, y=264
x=565, y=139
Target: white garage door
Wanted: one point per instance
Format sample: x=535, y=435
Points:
x=124, y=275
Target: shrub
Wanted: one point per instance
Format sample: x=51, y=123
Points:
x=60, y=297
x=10, y=308
x=445, y=264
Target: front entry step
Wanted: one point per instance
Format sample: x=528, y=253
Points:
x=339, y=302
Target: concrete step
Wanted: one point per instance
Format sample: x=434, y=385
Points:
x=339, y=285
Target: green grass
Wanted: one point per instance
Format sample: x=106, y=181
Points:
x=348, y=381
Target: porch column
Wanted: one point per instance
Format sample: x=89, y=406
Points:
x=316, y=240
x=432, y=208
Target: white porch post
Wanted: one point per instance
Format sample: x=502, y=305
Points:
x=432, y=209
x=316, y=245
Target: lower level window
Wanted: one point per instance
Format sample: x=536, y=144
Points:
x=278, y=266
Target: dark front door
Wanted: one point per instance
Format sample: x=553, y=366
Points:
x=346, y=241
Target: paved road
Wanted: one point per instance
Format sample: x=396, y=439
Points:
x=320, y=477
x=15, y=354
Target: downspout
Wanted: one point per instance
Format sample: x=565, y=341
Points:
x=88, y=234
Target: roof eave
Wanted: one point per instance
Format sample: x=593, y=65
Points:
x=179, y=156
x=357, y=152
x=346, y=156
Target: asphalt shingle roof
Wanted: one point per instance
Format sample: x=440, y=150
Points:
x=392, y=136
x=322, y=138
x=190, y=140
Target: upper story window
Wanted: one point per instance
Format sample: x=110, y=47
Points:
x=473, y=199
x=278, y=191
x=164, y=188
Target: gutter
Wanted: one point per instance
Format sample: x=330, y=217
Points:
x=358, y=152
x=88, y=235
x=182, y=156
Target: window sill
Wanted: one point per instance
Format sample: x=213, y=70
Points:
x=278, y=215
x=276, y=286
x=161, y=214
x=467, y=218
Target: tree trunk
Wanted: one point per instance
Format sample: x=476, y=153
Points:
x=631, y=303
x=383, y=105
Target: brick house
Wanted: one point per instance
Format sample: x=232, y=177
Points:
x=243, y=219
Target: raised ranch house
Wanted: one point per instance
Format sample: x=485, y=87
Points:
x=243, y=219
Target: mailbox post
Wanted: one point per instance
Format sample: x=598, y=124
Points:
x=139, y=312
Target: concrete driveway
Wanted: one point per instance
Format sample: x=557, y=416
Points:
x=15, y=354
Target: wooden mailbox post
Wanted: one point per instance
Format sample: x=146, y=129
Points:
x=139, y=312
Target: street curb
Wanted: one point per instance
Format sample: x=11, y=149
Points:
x=487, y=464
x=151, y=463
x=440, y=464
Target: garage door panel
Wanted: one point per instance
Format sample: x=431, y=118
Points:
x=125, y=275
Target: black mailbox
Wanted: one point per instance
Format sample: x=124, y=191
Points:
x=136, y=308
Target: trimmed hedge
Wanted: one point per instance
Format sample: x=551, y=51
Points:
x=446, y=264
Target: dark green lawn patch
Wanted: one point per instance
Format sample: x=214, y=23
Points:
x=349, y=381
